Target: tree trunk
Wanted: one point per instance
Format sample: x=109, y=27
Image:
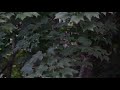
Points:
x=12, y=58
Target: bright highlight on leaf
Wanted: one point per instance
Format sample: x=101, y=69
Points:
x=24, y=15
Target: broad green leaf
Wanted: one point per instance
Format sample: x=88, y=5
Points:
x=9, y=27
x=1, y=43
x=89, y=15
x=22, y=16
x=3, y=21
x=9, y=15
x=51, y=51
x=68, y=71
x=35, y=14
x=42, y=68
x=35, y=57
x=27, y=69
x=84, y=41
x=55, y=74
x=62, y=16
x=69, y=50
x=76, y=19
x=52, y=61
x=104, y=13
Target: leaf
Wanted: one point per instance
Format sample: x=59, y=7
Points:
x=62, y=16
x=89, y=15
x=76, y=19
x=51, y=51
x=9, y=15
x=104, y=13
x=35, y=14
x=41, y=69
x=9, y=27
x=101, y=53
x=86, y=49
x=1, y=43
x=24, y=15
x=106, y=58
x=87, y=63
x=3, y=21
x=24, y=44
x=84, y=41
x=55, y=74
x=2, y=35
x=88, y=26
x=97, y=54
x=20, y=16
x=64, y=63
x=52, y=61
x=52, y=68
x=28, y=65
x=27, y=69
x=61, y=65
x=69, y=50
x=68, y=71
x=35, y=57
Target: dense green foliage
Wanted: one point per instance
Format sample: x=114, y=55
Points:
x=56, y=44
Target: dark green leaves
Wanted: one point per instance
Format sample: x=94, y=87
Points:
x=57, y=42
x=9, y=27
x=84, y=41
